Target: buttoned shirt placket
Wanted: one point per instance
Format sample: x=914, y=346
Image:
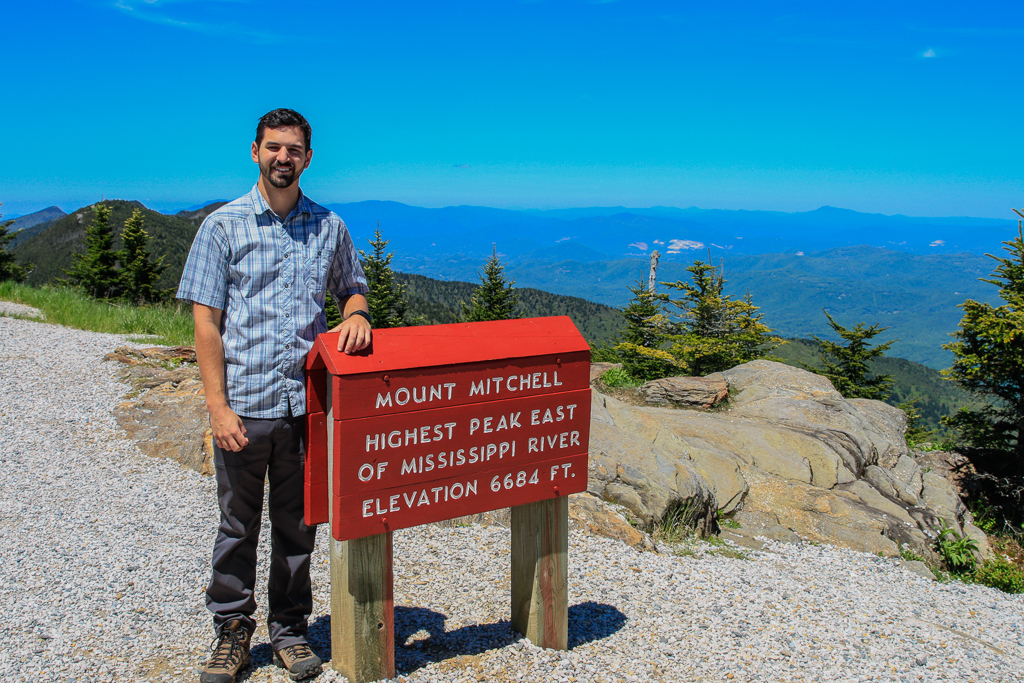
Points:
x=290, y=273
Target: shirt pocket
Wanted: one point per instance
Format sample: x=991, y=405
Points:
x=316, y=269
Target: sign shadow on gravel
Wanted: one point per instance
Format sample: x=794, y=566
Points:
x=421, y=638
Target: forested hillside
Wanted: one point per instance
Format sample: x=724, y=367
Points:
x=52, y=250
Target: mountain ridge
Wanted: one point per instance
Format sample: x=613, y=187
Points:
x=597, y=258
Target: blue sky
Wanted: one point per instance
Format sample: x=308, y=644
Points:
x=892, y=107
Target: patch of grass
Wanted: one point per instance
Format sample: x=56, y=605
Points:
x=677, y=530
x=685, y=550
x=721, y=548
x=618, y=377
x=169, y=324
x=728, y=522
x=713, y=546
x=909, y=555
x=679, y=522
x=172, y=363
x=999, y=572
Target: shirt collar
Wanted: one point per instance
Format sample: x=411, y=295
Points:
x=260, y=205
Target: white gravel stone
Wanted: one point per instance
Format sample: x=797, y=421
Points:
x=11, y=308
x=104, y=556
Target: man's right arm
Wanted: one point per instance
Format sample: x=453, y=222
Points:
x=228, y=430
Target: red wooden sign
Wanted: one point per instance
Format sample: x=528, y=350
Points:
x=398, y=450
x=432, y=422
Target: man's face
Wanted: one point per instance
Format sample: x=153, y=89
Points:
x=282, y=155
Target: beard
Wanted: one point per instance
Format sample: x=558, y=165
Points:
x=273, y=174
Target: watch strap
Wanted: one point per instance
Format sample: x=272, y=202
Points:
x=362, y=314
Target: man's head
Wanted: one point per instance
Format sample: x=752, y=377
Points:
x=282, y=147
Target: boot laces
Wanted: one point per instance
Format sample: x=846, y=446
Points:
x=227, y=649
x=298, y=651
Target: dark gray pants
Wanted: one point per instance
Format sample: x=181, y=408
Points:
x=276, y=451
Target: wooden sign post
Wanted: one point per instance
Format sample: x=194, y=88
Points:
x=438, y=422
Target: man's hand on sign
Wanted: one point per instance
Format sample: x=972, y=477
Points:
x=228, y=430
x=354, y=333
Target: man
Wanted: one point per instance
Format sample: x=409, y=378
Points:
x=256, y=277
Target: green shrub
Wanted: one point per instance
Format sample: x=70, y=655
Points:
x=618, y=377
x=646, y=364
x=1000, y=573
x=957, y=550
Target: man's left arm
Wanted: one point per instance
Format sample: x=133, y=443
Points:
x=346, y=281
x=354, y=330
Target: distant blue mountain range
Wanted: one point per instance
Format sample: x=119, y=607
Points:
x=615, y=232
x=907, y=273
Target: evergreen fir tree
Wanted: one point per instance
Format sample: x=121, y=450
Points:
x=138, y=273
x=9, y=268
x=647, y=328
x=95, y=271
x=988, y=361
x=916, y=433
x=386, y=298
x=494, y=299
x=847, y=363
x=716, y=332
x=754, y=338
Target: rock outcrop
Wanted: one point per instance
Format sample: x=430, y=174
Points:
x=788, y=459
x=697, y=392
x=165, y=413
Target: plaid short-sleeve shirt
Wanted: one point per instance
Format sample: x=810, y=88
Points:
x=269, y=276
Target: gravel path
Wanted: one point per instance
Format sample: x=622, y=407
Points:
x=104, y=555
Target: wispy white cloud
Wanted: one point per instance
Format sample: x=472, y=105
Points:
x=928, y=53
x=937, y=243
x=153, y=11
x=677, y=245
x=642, y=246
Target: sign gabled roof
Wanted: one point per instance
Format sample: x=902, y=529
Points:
x=440, y=345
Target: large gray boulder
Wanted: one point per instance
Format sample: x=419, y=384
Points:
x=789, y=459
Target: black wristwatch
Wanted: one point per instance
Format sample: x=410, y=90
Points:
x=363, y=314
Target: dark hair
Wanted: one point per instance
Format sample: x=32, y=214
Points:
x=284, y=118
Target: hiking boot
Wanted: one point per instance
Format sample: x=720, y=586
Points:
x=299, y=660
x=230, y=654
